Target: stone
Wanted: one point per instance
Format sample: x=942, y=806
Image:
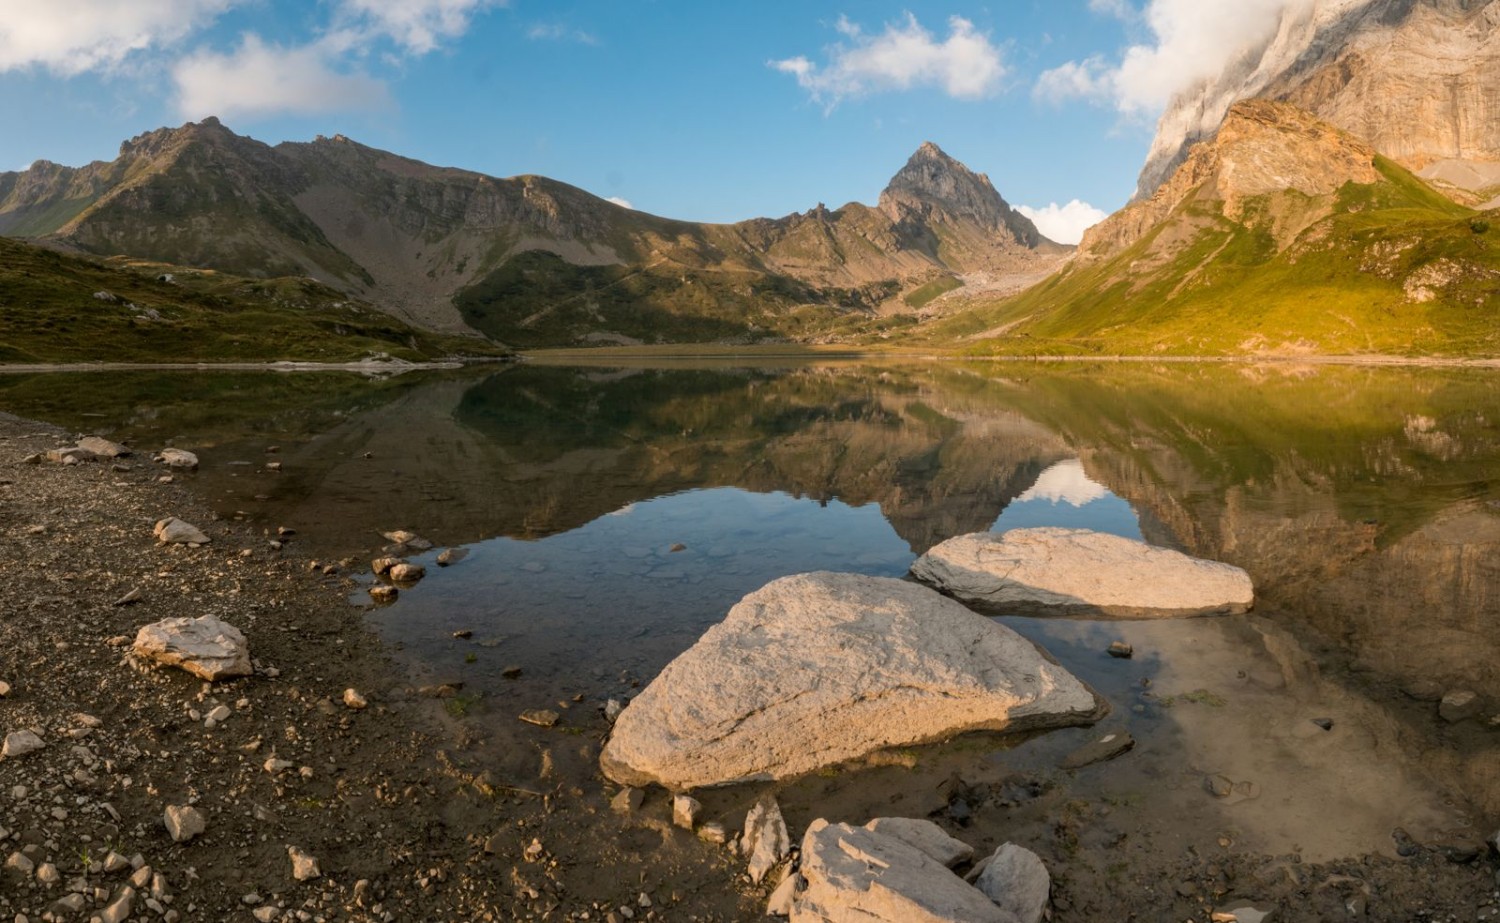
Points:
x=265, y=914
x=870, y=663
x=410, y=539
x=925, y=836
x=1121, y=650
x=20, y=862
x=382, y=566
x=206, y=647
x=612, y=709
x=541, y=717
x=304, y=867
x=69, y=456
x=627, y=801
x=173, y=531
x=383, y=593
x=183, y=822
x=1099, y=750
x=1052, y=571
x=407, y=573
x=1218, y=786
x=353, y=699
x=47, y=874
x=120, y=908
x=218, y=715
x=685, y=810
x=1459, y=705
x=450, y=556
x=129, y=599
x=713, y=832
x=1246, y=912
x=780, y=902
x=20, y=743
x=102, y=447
x=177, y=458
x=766, y=840
x=1015, y=879
x=856, y=874
x=4, y=689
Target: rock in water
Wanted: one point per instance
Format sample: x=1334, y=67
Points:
x=205, y=647
x=103, y=447
x=1076, y=571
x=177, y=458
x=1099, y=750
x=766, y=840
x=861, y=663
x=173, y=531
x=857, y=874
x=925, y=836
x=1015, y=878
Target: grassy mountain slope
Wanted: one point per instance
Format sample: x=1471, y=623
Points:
x=49, y=312
x=1225, y=260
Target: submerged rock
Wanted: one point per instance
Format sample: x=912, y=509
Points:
x=205, y=647
x=852, y=873
x=1076, y=571
x=177, y=458
x=1099, y=750
x=863, y=663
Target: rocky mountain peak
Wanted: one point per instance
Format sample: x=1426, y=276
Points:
x=1415, y=78
x=933, y=183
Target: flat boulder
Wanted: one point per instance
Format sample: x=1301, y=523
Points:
x=814, y=670
x=925, y=836
x=1079, y=572
x=103, y=447
x=856, y=874
x=206, y=647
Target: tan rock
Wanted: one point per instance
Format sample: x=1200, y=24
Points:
x=183, y=822
x=20, y=743
x=173, y=531
x=1015, y=879
x=925, y=836
x=865, y=663
x=177, y=458
x=103, y=447
x=1075, y=571
x=206, y=647
x=304, y=866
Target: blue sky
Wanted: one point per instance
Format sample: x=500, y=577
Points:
x=705, y=111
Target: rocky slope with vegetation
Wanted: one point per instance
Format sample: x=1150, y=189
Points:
x=1283, y=235
x=61, y=308
x=525, y=260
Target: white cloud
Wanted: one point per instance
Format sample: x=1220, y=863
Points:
x=70, y=37
x=1066, y=482
x=1064, y=223
x=1120, y=9
x=1191, y=40
x=258, y=79
x=557, y=32
x=623, y=203
x=419, y=26
x=966, y=65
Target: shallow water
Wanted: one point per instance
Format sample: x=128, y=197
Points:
x=1361, y=501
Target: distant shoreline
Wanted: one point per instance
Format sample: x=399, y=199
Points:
x=376, y=368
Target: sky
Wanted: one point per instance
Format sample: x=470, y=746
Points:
x=706, y=111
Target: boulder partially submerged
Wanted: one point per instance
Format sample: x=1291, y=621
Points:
x=1076, y=571
x=206, y=647
x=818, y=669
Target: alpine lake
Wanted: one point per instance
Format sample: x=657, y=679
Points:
x=610, y=513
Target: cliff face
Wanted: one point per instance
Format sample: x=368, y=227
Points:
x=522, y=259
x=1417, y=79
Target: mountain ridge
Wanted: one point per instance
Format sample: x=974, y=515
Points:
x=434, y=245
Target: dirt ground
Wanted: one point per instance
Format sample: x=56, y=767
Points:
x=412, y=812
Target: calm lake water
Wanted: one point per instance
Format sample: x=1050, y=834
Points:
x=612, y=514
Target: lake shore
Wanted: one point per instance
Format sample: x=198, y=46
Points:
x=416, y=811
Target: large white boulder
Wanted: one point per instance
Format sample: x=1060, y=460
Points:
x=925, y=836
x=817, y=669
x=206, y=647
x=856, y=875
x=1075, y=571
x=1016, y=879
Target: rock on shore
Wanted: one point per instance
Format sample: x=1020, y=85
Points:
x=206, y=647
x=1076, y=571
x=868, y=662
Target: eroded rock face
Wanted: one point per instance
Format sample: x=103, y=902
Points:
x=1075, y=571
x=817, y=669
x=206, y=647
x=856, y=874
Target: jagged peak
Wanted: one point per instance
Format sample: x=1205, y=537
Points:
x=933, y=180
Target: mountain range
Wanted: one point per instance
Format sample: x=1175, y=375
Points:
x=525, y=260
x=1332, y=190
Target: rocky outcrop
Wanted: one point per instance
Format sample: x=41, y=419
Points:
x=1074, y=571
x=1417, y=79
x=1263, y=148
x=206, y=647
x=814, y=670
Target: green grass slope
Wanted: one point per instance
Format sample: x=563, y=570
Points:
x=49, y=313
x=1394, y=268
